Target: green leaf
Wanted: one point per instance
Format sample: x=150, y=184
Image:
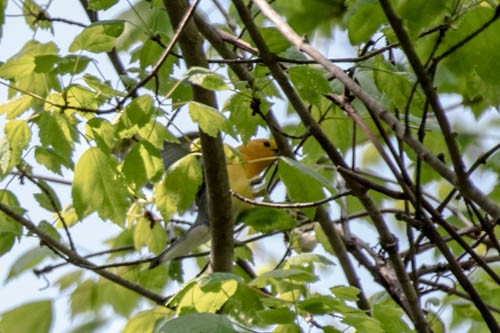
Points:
x=242, y=116
x=102, y=131
x=309, y=258
x=323, y=239
x=24, y=62
x=397, y=85
x=72, y=64
x=102, y=88
x=78, y=96
x=135, y=116
x=52, y=160
x=293, y=328
x=2, y=15
x=122, y=300
x=59, y=131
x=90, y=326
x=319, y=304
x=390, y=317
x=19, y=134
x=363, y=323
x=178, y=189
x=276, y=316
x=97, y=187
x=310, y=83
x=302, y=183
x=198, y=322
x=207, y=298
x=13, y=108
x=275, y=40
x=85, y=298
x=9, y=228
x=68, y=280
x=32, y=14
x=209, y=119
x=143, y=322
x=49, y=229
x=30, y=317
x=21, y=69
x=471, y=69
x=206, y=78
x=28, y=260
x=156, y=134
x=244, y=304
x=311, y=17
x=5, y=165
x=435, y=13
x=308, y=172
x=150, y=234
x=47, y=198
x=266, y=219
x=296, y=275
x=98, y=37
x=45, y=63
x=360, y=29
x=143, y=163
x=96, y=5
x=346, y=293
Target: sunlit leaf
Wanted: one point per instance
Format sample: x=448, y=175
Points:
x=143, y=163
x=98, y=37
x=209, y=119
x=29, y=317
x=58, y=131
x=28, y=260
x=19, y=134
x=178, y=189
x=13, y=108
x=97, y=187
x=101, y=4
x=276, y=316
x=310, y=82
x=10, y=230
x=198, y=322
x=150, y=234
x=52, y=160
x=283, y=274
x=266, y=219
x=206, y=78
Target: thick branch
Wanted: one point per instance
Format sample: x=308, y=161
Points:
x=219, y=198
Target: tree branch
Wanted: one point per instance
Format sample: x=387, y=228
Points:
x=219, y=198
x=78, y=260
x=471, y=191
x=334, y=238
x=387, y=239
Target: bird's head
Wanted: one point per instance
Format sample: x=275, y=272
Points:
x=257, y=155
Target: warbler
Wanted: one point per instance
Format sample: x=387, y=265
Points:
x=243, y=164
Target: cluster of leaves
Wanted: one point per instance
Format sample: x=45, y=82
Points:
x=64, y=119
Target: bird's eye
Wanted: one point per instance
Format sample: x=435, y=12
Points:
x=267, y=144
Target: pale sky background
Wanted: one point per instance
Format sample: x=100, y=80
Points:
x=28, y=287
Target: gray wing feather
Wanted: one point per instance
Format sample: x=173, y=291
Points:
x=199, y=233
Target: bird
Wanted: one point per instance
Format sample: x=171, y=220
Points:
x=243, y=164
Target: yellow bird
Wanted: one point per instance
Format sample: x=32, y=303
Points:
x=243, y=164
